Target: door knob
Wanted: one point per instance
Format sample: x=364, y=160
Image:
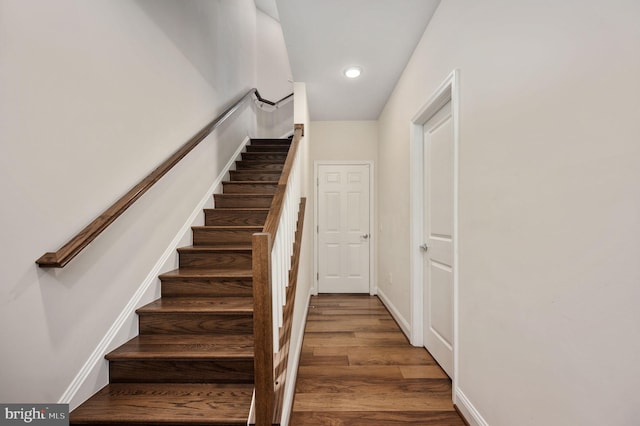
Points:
x=365, y=236
x=424, y=247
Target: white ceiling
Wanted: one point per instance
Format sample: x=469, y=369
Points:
x=324, y=37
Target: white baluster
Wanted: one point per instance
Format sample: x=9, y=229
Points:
x=282, y=249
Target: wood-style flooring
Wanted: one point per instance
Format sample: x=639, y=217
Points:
x=357, y=368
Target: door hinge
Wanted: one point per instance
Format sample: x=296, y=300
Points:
x=317, y=276
x=317, y=181
x=318, y=229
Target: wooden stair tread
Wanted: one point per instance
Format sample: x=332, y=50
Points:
x=277, y=163
x=258, y=153
x=226, y=234
x=269, y=172
x=216, y=247
x=267, y=161
x=239, y=200
x=264, y=141
x=241, y=209
x=262, y=174
x=249, y=186
x=251, y=182
x=229, y=227
x=185, y=347
x=175, y=403
x=199, y=305
x=266, y=148
x=245, y=195
x=182, y=273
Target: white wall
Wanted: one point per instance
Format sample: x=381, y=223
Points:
x=344, y=140
x=275, y=122
x=549, y=206
x=275, y=80
x=94, y=96
x=273, y=74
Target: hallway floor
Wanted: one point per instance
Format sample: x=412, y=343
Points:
x=357, y=368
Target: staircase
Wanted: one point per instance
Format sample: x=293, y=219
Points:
x=192, y=362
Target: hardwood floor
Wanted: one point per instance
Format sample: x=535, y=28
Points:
x=357, y=368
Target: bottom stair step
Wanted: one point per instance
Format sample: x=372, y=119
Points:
x=166, y=404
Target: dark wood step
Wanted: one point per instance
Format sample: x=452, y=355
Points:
x=267, y=141
x=242, y=200
x=218, y=257
x=199, y=305
x=186, y=315
x=258, y=165
x=183, y=359
x=268, y=148
x=254, y=175
x=181, y=371
x=166, y=404
x=184, y=347
x=279, y=157
x=223, y=235
x=207, y=283
x=235, y=217
x=250, y=187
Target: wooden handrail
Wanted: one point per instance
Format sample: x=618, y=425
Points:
x=273, y=217
x=75, y=245
x=268, y=102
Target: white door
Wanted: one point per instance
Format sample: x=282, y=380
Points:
x=343, y=228
x=438, y=237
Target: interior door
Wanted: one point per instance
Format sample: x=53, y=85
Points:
x=343, y=228
x=438, y=237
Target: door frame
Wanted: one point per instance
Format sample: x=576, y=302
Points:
x=373, y=288
x=449, y=90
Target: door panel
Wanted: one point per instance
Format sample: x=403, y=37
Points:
x=440, y=170
x=343, y=228
x=440, y=287
x=438, y=236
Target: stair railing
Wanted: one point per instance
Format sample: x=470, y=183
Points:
x=274, y=278
x=82, y=239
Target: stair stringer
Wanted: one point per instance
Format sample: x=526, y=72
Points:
x=94, y=374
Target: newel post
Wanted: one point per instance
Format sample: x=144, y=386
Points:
x=263, y=329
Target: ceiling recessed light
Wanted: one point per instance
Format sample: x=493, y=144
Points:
x=353, y=72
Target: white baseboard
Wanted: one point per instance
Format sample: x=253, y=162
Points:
x=287, y=403
x=404, y=325
x=81, y=386
x=468, y=410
